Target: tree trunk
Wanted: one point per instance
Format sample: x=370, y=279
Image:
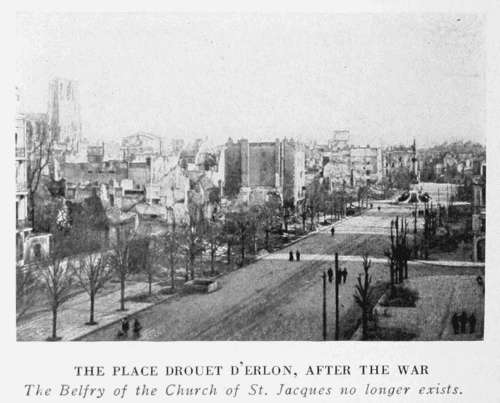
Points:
x=150, y=282
x=92, y=302
x=31, y=208
x=242, y=249
x=364, y=320
x=54, y=323
x=172, y=274
x=191, y=264
x=229, y=253
x=122, y=292
x=242, y=252
x=212, y=258
x=392, y=271
x=267, y=239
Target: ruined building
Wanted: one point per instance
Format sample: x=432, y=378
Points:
x=64, y=115
x=263, y=167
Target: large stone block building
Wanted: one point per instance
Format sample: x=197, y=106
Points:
x=277, y=166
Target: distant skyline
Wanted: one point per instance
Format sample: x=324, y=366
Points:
x=387, y=78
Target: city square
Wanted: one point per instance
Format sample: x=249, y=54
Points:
x=225, y=186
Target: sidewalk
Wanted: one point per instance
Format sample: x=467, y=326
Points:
x=439, y=298
x=74, y=313
x=359, y=258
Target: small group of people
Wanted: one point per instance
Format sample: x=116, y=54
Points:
x=460, y=321
x=342, y=275
x=297, y=255
x=125, y=327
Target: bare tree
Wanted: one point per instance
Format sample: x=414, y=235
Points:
x=399, y=252
x=40, y=152
x=171, y=246
x=241, y=224
x=27, y=287
x=87, y=236
x=120, y=260
x=214, y=237
x=192, y=234
x=152, y=251
x=314, y=200
x=364, y=294
x=92, y=272
x=229, y=230
x=56, y=277
x=269, y=218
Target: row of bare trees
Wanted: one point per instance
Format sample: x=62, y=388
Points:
x=82, y=257
x=320, y=200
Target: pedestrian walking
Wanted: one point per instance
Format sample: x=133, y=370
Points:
x=125, y=326
x=472, y=323
x=463, y=321
x=330, y=275
x=290, y=256
x=137, y=328
x=344, y=275
x=455, y=323
x=297, y=255
x=333, y=230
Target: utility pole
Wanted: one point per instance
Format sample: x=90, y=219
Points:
x=342, y=203
x=324, y=305
x=337, y=280
x=415, y=231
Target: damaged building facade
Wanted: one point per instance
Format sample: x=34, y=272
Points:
x=254, y=169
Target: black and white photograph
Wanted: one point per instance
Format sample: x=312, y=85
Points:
x=250, y=177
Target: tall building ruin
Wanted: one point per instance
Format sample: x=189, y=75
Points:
x=64, y=115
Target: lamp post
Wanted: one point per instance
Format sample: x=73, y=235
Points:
x=324, y=306
x=337, y=281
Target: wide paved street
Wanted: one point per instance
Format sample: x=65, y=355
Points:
x=274, y=299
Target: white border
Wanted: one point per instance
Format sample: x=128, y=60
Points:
x=473, y=365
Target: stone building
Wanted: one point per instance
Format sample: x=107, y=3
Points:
x=401, y=157
x=479, y=215
x=29, y=246
x=64, y=115
x=338, y=167
x=339, y=140
x=140, y=147
x=94, y=172
x=23, y=227
x=277, y=166
x=366, y=165
x=354, y=166
x=95, y=154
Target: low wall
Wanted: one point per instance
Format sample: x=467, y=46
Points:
x=404, y=318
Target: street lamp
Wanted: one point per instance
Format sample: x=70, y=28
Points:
x=332, y=276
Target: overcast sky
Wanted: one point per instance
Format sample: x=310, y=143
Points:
x=386, y=78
